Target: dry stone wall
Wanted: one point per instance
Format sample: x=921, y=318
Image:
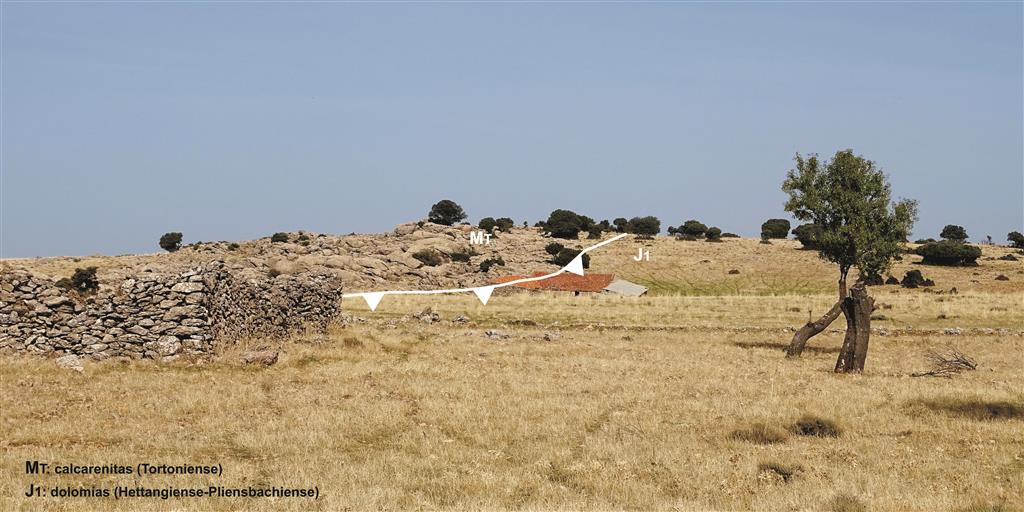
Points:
x=160, y=315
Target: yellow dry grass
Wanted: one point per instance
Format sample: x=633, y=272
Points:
x=632, y=404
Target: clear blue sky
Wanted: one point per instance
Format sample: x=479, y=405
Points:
x=231, y=121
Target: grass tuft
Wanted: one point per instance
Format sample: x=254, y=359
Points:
x=760, y=433
x=977, y=409
x=815, y=426
x=779, y=470
x=846, y=503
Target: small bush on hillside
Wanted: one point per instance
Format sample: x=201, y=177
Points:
x=170, y=242
x=954, y=233
x=429, y=257
x=446, y=212
x=685, y=238
x=891, y=280
x=692, y=227
x=914, y=278
x=948, y=252
x=566, y=224
x=922, y=241
x=713, y=234
x=553, y=248
x=485, y=265
x=566, y=255
x=594, y=233
x=730, y=235
x=647, y=226
x=233, y=246
x=605, y=225
x=620, y=224
x=775, y=228
x=487, y=224
x=504, y=223
x=1016, y=239
x=279, y=238
x=463, y=255
x=83, y=280
x=808, y=235
x=303, y=237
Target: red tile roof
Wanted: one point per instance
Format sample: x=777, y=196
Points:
x=565, y=282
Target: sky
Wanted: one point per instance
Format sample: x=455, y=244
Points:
x=231, y=121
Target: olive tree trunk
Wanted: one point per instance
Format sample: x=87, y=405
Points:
x=811, y=329
x=857, y=309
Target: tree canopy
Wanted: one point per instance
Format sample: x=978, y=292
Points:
x=849, y=198
x=446, y=212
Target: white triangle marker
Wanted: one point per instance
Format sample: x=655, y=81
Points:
x=483, y=293
x=576, y=265
x=372, y=299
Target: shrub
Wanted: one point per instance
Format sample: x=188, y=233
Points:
x=922, y=241
x=1016, y=239
x=808, y=235
x=446, y=212
x=233, y=246
x=83, y=280
x=672, y=230
x=685, y=238
x=648, y=226
x=815, y=426
x=954, y=233
x=279, y=237
x=713, y=234
x=566, y=255
x=892, y=280
x=553, y=248
x=781, y=470
x=730, y=235
x=303, y=237
x=594, y=233
x=170, y=242
x=948, y=252
x=504, y=223
x=620, y=224
x=605, y=225
x=692, y=228
x=463, y=255
x=429, y=257
x=914, y=278
x=487, y=224
x=486, y=265
x=775, y=228
x=567, y=224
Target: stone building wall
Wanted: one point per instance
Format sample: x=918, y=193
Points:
x=161, y=315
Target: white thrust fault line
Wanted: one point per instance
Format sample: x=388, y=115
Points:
x=484, y=292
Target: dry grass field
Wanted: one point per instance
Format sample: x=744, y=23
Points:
x=681, y=400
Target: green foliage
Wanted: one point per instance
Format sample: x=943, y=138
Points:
x=849, y=198
x=713, y=234
x=594, y=233
x=646, y=226
x=948, y=252
x=429, y=257
x=567, y=224
x=808, y=235
x=730, y=235
x=504, y=223
x=954, y=233
x=566, y=255
x=924, y=241
x=914, y=278
x=1016, y=239
x=775, y=228
x=553, y=248
x=693, y=228
x=620, y=224
x=487, y=224
x=485, y=265
x=233, y=246
x=279, y=238
x=83, y=280
x=170, y=242
x=446, y=212
x=605, y=225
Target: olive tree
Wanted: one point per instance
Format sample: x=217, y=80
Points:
x=849, y=198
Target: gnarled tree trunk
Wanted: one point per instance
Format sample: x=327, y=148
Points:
x=857, y=308
x=811, y=329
